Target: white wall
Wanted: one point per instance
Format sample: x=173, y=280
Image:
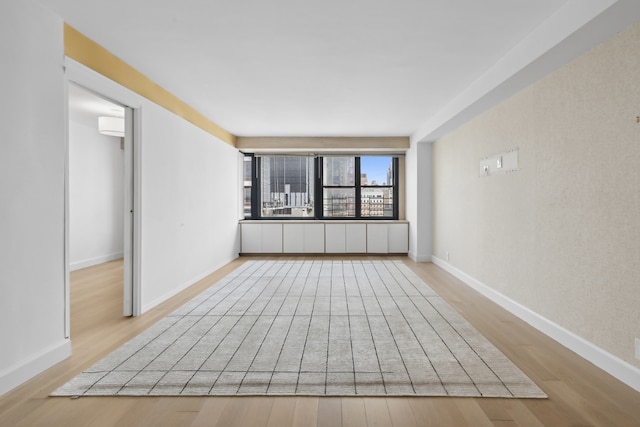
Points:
x=190, y=199
x=418, y=200
x=187, y=216
x=187, y=178
x=32, y=165
x=95, y=196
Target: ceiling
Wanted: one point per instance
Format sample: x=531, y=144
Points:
x=85, y=107
x=341, y=67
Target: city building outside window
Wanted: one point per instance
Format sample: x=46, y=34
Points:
x=377, y=186
x=339, y=187
x=247, y=185
x=287, y=186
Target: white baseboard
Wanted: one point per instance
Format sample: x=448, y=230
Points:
x=419, y=257
x=609, y=363
x=177, y=290
x=77, y=265
x=14, y=376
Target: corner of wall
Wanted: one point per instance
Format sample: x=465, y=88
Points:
x=419, y=257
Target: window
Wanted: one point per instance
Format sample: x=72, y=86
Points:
x=377, y=186
x=344, y=187
x=370, y=196
x=248, y=184
x=286, y=186
x=339, y=187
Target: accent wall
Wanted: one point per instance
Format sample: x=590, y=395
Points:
x=560, y=236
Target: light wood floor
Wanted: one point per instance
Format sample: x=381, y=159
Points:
x=579, y=393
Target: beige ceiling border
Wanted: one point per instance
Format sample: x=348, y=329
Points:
x=84, y=50
x=385, y=144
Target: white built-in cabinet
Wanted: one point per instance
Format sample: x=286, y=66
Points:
x=397, y=238
x=344, y=238
x=303, y=238
x=335, y=238
x=261, y=238
x=293, y=237
x=377, y=238
x=356, y=238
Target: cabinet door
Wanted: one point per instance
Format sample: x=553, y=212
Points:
x=377, y=238
x=313, y=238
x=335, y=238
x=293, y=238
x=272, y=238
x=356, y=238
x=398, y=238
x=251, y=238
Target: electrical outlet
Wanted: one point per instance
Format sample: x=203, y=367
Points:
x=638, y=348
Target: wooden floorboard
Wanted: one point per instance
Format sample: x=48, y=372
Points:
x=579, y=393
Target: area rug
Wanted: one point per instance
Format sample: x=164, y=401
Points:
x=321, y=327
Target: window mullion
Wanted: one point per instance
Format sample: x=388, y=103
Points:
x=319, y=189
x=255, y=188
x=358, y=183
x=394, y=188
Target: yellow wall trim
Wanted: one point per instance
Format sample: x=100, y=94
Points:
x=84, y=50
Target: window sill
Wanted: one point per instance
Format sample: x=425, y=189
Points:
x=323, y=221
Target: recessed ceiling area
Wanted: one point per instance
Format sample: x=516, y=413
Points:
x=336, y=67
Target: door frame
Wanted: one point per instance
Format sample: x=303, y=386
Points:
x=92, y=81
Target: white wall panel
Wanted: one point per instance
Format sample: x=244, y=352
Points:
x=96, y=196
x=32, y=190
x=189, y=209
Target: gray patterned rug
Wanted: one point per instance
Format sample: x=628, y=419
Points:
x=329, y=328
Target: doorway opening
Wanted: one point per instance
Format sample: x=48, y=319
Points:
x=100, y=191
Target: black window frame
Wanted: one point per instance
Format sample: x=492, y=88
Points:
x=395, y=162
x=256, y=202
x=322, y=187
x=254, y=187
